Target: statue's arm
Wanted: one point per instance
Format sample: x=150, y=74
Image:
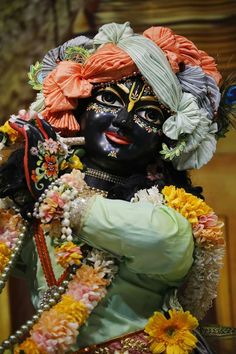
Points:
x=154, y=240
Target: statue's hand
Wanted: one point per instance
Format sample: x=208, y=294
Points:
x=35, y=166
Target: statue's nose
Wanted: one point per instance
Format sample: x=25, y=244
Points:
x=123, y=119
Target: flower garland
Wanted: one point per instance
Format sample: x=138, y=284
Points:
x=12, y=227
x=55, y=206
x=57, y=329
x=201, y=286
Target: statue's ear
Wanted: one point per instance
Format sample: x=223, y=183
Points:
x=40, y=153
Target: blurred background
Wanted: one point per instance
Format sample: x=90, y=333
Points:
x=29, y=28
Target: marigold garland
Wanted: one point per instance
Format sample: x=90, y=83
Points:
x=201, y=286
x=188, y=205
x=57, y=329
x=28, y=347
x=76, y=310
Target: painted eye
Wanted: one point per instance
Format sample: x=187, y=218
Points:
x=109, y=98
x=153, y=115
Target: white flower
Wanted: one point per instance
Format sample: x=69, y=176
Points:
x=151, y=195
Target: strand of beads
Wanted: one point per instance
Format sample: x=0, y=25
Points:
x=55, y=204
x=11, y=239
x=50, y=298
x=16, y=251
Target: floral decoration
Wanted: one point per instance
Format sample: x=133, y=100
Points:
x=28, y=346
x=12, y=134
x=188, y=205
x=57, y=329
x=57, y=202
x=173, y=334
x=51, y=158
x=68, y=254
x=201, y=286
x=10, y=227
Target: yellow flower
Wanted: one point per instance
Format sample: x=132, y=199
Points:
x=75, y=310
x=28, y=347
x=12, y=133
x=188, y=205
x=5, y=253
x=64, y=165
x=74, y=162
x=172, y=335
x=68, y=254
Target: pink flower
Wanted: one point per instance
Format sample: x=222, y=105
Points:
x=52, y=207
x=208, y=220
x=74, y=179
x=9, y=238
x=55, y=333
x=51, y=145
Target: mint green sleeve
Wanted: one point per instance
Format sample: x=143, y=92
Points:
x=153, y=240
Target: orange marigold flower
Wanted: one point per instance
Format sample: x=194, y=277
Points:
x=76, y=310
x=173, y=334
x=28, y=347
x=68, y=254
x=5, y=253
x=89, y=276
x=188, y=205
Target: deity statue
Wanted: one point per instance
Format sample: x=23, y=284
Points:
x=121, y=251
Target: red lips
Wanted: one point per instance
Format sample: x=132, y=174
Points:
x=118, y=139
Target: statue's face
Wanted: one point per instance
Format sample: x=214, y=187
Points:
x=122, y=127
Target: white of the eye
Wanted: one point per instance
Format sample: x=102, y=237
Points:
x=103, y=100
x=142, y=114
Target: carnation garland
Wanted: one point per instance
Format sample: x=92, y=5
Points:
x=57, y=329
